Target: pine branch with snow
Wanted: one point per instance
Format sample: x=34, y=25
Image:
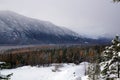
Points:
x=111, y=64
x=4, y=77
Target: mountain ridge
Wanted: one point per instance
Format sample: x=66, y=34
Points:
x=18, y=29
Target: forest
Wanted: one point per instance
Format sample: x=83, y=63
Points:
x=45, y=55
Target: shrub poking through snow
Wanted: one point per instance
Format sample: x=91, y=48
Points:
x=4, y=77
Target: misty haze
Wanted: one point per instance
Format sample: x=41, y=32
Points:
x=59, y=40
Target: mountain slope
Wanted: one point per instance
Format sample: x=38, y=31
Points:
x=18, y=29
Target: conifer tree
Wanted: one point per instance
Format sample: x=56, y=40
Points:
x=111, y=64
x=93, y=71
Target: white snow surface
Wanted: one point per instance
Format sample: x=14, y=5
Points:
x=66, y=72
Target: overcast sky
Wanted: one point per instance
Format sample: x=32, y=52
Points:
x=89, y=17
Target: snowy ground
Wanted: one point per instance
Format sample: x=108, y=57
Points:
x=65, y=72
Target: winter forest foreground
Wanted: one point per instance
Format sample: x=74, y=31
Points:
x=71, y=63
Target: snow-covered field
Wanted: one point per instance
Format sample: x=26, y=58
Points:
x=63, y=72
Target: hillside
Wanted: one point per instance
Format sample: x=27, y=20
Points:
x=18, y=30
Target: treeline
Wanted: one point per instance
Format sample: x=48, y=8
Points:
x=47, y=55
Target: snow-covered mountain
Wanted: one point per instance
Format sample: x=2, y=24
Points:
x=18, y=29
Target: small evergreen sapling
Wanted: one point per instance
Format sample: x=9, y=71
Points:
x=4, y=77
